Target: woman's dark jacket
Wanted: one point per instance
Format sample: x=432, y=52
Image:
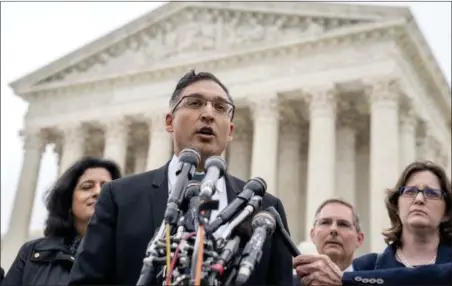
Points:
x=387, y=259
x=44, y=261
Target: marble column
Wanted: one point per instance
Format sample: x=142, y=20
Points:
x=289, y=189
x=362, y=187
x=73, y=145
x=239, y=153
x=140, y=158
x=407, y=150
x=160, y=142
x=34, y=146
x=264, y=159
x=322, y=151
x=345, y=162
x=116, y=136
x=303, y=181
x=384, y=155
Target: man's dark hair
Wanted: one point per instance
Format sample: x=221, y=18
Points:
x=192, y=77
x=58, y=199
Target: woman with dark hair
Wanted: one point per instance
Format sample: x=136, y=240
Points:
x=70, y=204
x=419, y=208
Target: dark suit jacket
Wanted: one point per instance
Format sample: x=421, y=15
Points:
x=386, y=269
x=2, y=275
x=127, y=214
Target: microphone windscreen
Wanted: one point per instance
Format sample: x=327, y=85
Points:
x=190, y=155
x=218, y=162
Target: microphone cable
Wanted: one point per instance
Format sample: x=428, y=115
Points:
x=168, y=247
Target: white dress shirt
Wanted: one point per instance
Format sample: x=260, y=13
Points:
x=220, y=193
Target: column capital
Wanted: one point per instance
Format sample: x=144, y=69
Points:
x=382, y=89
x=321, y=100
x=267, y=107
x=33, y=140
x=407, y=115
x=120, y=123
x=72, y=130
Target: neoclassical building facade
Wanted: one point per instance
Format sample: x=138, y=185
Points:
x=332, y=101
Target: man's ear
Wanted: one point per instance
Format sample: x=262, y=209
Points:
x=311, y=234
x=231, y=132
x=360, y=239
x=169, y=122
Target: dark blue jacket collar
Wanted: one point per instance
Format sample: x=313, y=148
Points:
x=387, y=257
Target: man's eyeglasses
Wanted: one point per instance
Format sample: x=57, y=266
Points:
x=429, y=193
x=197, y=102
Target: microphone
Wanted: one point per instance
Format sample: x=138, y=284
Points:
x=263, y=225
x=215, y=167
x=226, y=255
x=255, y=186
x=253, y=205
x=192, y=200
x=188, y=161
x=288, y=242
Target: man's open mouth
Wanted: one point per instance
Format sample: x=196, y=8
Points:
x=208, y=131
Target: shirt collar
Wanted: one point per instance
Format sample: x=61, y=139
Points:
x=172, y=169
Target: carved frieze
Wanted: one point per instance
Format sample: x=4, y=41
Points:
x=194, y=31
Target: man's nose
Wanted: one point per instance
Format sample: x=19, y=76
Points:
x=208, y=111
x=333, y=228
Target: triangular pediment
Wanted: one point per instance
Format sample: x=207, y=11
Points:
x=178, y=31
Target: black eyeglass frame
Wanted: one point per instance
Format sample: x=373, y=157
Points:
x=230, y=113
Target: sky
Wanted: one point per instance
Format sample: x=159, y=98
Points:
x=34, y=34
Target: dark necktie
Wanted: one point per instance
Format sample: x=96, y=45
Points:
x=190, y=223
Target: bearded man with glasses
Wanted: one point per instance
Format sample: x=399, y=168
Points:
x=129, y=210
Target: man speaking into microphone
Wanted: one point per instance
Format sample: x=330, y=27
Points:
x=131, y=209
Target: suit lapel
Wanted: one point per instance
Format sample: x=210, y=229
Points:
x=232, y=187
x=159, y=194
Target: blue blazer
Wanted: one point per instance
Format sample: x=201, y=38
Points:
x=384, y=269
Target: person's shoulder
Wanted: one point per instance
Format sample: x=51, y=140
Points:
x=30, y=245
x=140, y=181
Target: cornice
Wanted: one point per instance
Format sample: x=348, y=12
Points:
x=345, y=12
x=245, y=56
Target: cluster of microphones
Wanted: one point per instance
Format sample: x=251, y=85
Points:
x=188, y=250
